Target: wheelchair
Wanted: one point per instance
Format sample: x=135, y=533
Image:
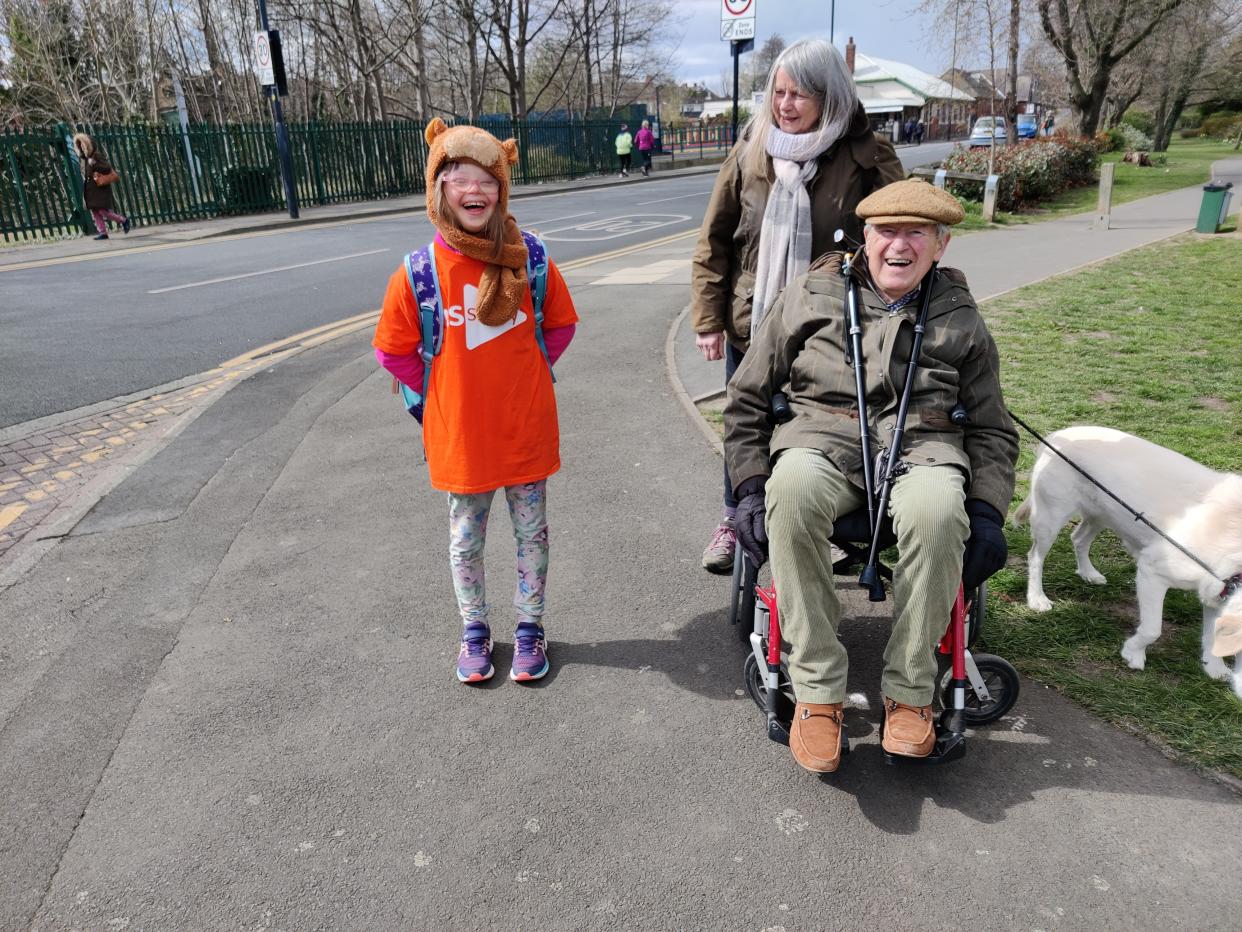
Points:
x=973, y=689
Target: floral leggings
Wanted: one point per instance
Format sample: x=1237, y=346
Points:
x=528, y=509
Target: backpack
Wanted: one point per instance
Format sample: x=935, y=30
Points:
x=420, y=271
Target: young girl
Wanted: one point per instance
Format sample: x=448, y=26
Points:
x=98, y=197
x=489, y=418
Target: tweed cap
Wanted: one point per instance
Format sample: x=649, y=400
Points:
x=910, y=201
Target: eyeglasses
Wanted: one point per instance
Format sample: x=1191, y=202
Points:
x=486, y=185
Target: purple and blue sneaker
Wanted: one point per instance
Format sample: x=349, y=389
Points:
x=474, y=660
x=530, y=653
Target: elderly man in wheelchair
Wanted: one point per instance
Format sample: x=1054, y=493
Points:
x=867, y=349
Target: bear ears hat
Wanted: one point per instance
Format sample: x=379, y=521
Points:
x=468, y=144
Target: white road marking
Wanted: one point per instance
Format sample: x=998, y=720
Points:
x=535, y=223
x=676, y=198
x=612, y=227
x=283, y=268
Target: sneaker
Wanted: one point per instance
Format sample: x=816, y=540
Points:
x=125, y=225
x=102, y=236
x=474, y=660
x=718, y=556
x=530, y=654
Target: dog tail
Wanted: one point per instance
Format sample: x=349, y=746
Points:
x=1023, y=513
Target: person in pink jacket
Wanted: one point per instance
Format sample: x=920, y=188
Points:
x=645, y=140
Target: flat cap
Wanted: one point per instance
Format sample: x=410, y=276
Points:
x=910, y=201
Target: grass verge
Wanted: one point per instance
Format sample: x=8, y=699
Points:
x=1189, y=162
x=1146, y=343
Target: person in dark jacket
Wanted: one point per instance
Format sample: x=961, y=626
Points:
x=795, y=479
x=98, y=197
x=800, y=167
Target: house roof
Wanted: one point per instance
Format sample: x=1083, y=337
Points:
x=871, y=70
x=986, y=83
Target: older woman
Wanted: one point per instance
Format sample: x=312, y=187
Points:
x=801, y=166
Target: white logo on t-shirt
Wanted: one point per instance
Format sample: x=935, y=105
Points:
x=477, y=333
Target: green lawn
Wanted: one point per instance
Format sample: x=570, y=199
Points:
x=1148, y=343
x=1189, y=162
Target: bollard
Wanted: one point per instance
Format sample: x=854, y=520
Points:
x=1104, y=207
x=989, y=198
x=941, y=174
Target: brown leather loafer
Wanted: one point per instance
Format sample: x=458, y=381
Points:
x=909, y=730
x=815, y=737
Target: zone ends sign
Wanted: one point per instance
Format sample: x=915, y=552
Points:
x=737, y=20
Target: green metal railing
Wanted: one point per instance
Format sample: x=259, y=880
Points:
x=170, y=174
x=697, y=138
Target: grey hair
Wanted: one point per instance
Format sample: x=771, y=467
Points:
x=816, y=67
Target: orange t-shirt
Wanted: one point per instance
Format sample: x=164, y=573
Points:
x=490, y=416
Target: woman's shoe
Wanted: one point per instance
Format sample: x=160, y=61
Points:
x=102, y=236
x=125, y=225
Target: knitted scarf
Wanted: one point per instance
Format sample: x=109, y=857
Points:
x=504, y=280
x=785, y=243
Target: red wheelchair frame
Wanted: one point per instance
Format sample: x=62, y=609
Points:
x=974, y=689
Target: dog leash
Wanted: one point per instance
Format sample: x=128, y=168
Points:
x=1228, y=586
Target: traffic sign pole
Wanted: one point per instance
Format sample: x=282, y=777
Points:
x=282, y=134
x=737, y=27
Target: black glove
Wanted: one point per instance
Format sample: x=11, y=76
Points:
x=749, y=522
x=986, y=549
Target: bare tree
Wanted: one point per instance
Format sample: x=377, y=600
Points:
x=1093, y=36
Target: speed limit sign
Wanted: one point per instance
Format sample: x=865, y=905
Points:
x=737, y=19
x=263, y=58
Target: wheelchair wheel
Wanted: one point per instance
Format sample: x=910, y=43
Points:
x=742, y=597
x=1002, y=682
x=978, y=612
x=757, y=689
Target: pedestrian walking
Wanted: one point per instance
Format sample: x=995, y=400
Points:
x=645, y=140
x=98, y=176
x=814, y=140
x=625, y=148
x=489, y=416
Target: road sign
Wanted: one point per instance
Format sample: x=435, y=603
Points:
x=737, y=19
x=263, y=59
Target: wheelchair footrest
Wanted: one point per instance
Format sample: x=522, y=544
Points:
x=950, y=746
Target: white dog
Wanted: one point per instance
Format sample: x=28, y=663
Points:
x=1199, y=508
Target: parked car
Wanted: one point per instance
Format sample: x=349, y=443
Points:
x=1028, y=126
x=986, y=129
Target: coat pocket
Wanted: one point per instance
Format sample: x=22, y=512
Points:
x=743, y=300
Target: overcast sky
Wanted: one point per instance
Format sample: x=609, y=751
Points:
x=884, y=28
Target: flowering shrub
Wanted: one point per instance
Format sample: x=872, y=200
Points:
x=1029, y=173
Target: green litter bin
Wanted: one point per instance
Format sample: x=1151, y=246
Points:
x=1215, y=207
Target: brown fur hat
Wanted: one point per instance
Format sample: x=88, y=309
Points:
x=468, y=144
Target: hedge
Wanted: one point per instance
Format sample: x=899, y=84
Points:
x=1030, y=172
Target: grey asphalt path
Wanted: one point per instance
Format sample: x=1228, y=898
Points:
x=1006, y=258
x=227, y=702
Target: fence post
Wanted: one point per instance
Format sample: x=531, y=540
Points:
x=1104, y=206
x=989, y=198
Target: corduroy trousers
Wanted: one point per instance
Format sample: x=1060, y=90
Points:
x=805, y=495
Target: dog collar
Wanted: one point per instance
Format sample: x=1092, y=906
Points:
x=1232, y=585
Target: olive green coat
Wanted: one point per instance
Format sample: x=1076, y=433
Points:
x=801, y=350
x=722, y=276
